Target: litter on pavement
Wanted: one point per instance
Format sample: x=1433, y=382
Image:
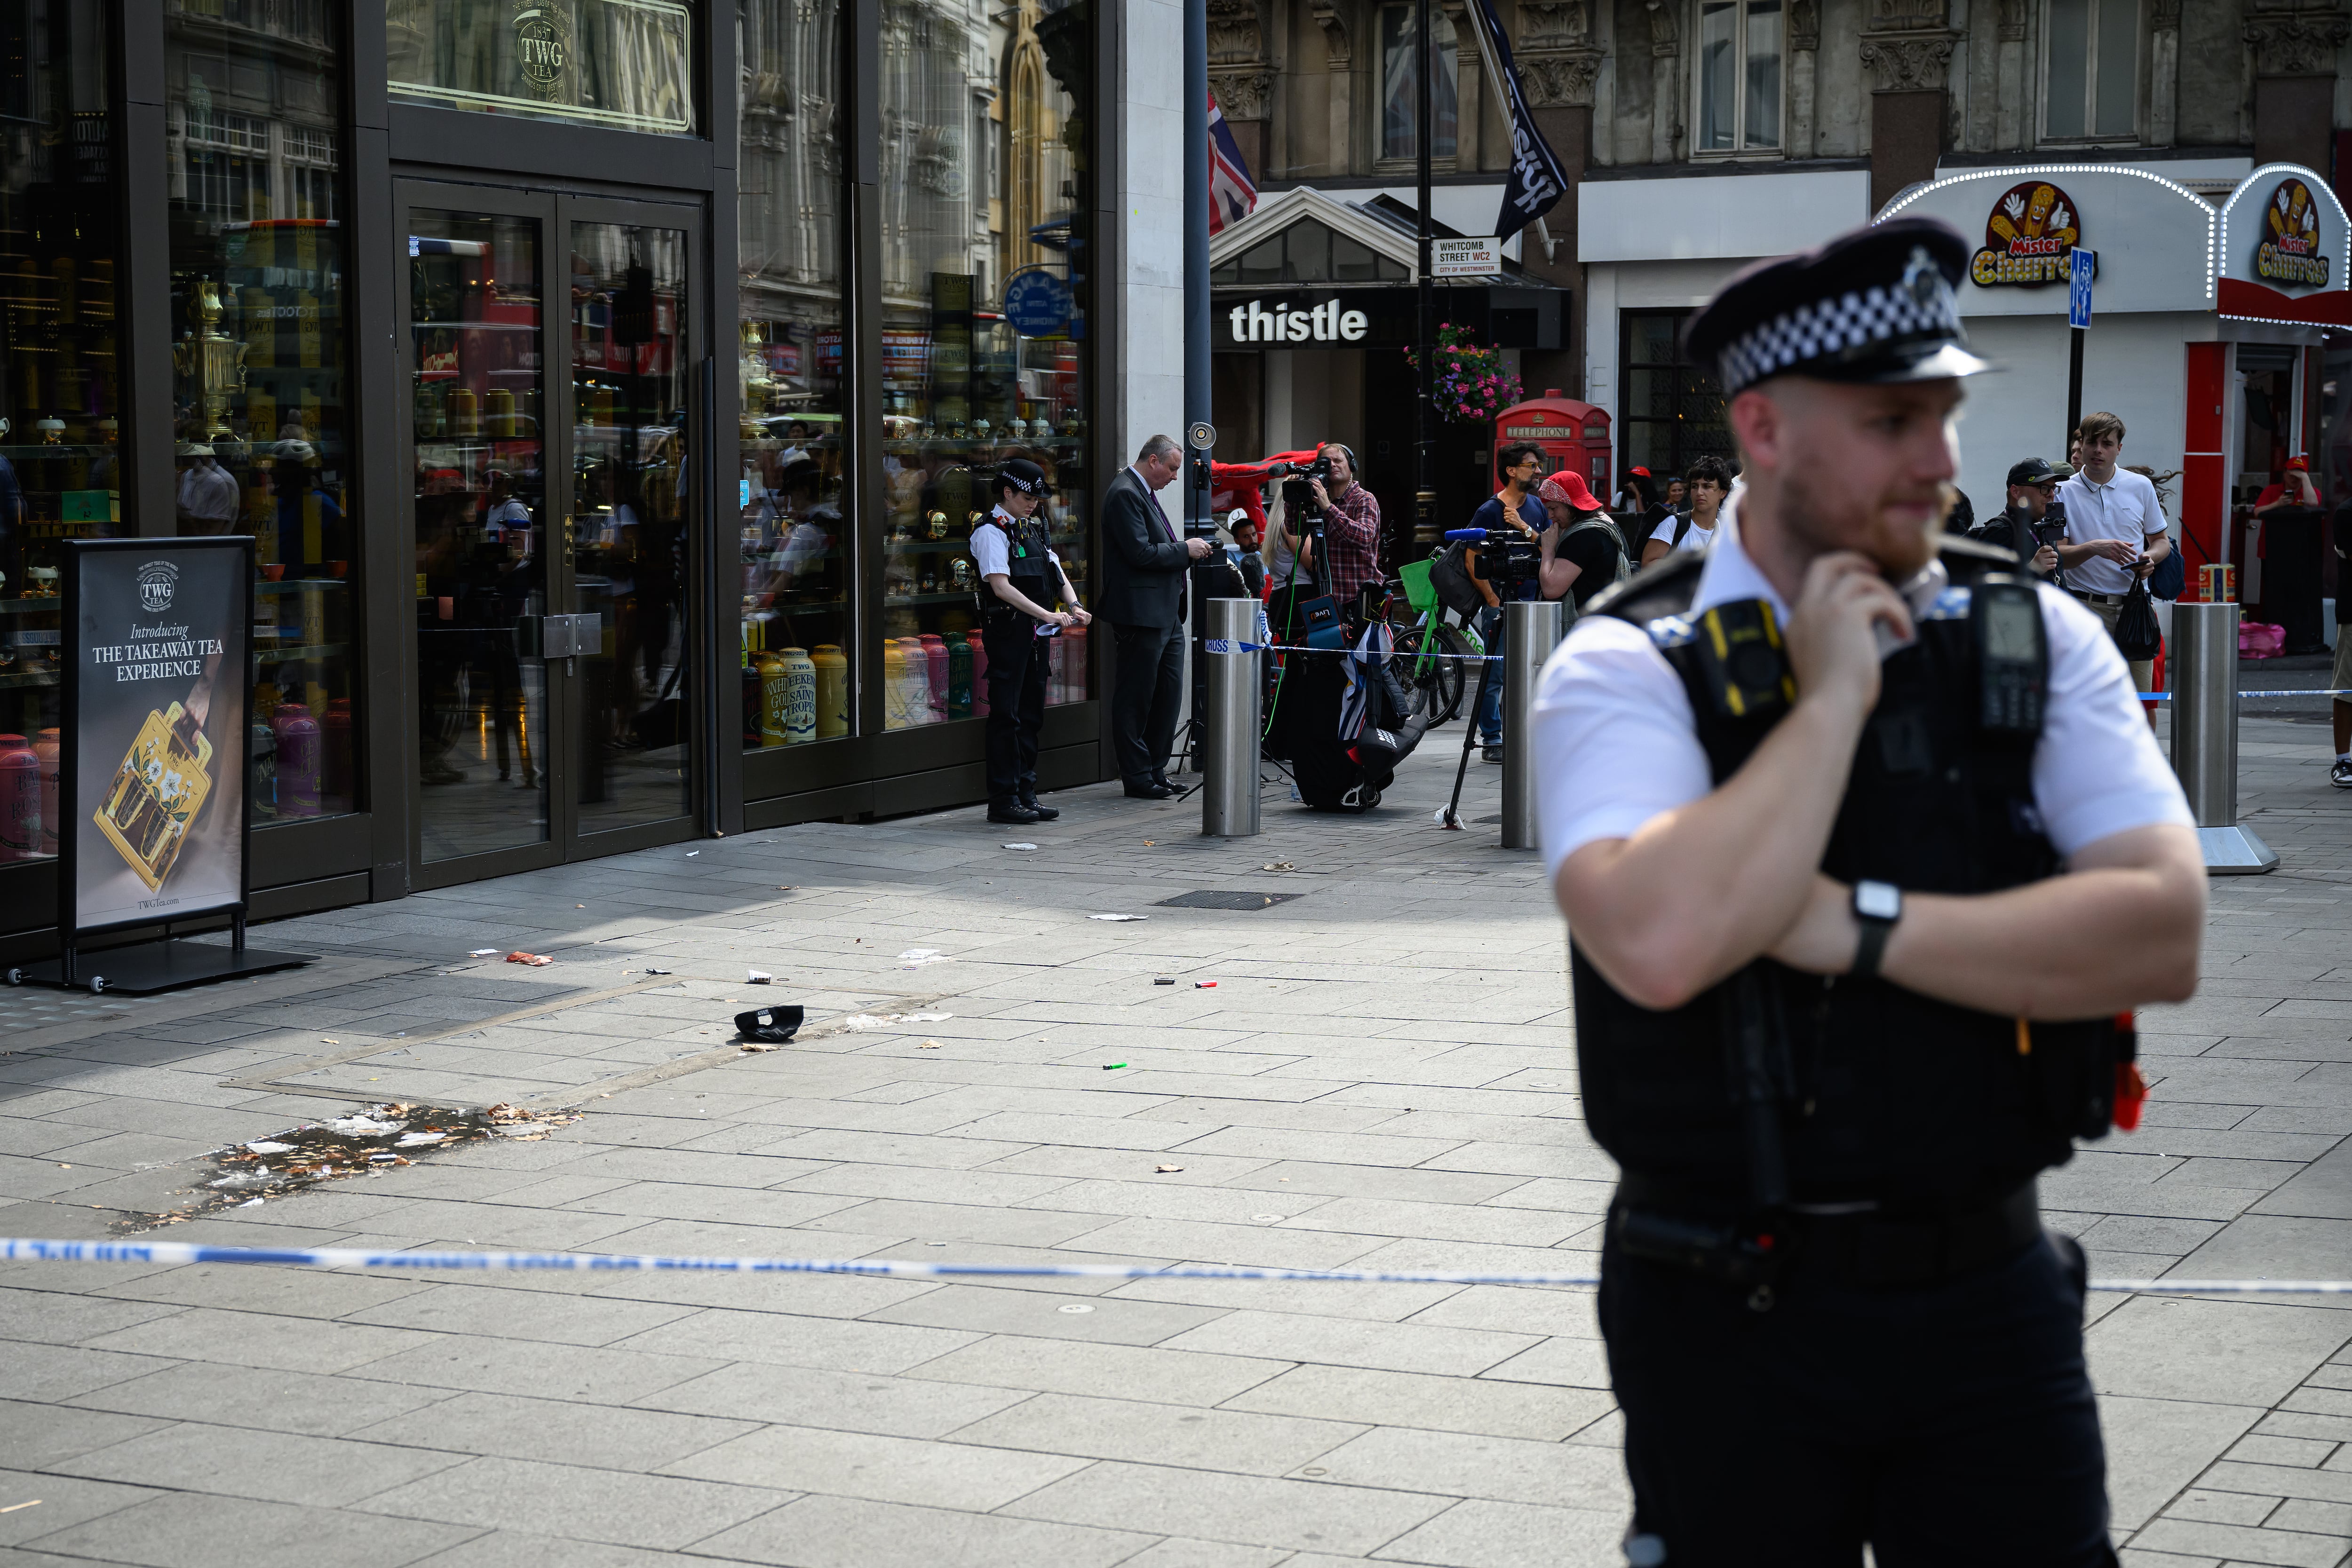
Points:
x=767, y=1027
x=916, y=958
x=1204, y=985
x=1021, y=846
x=483, y=953
x=1119, y=917
x=1164, y=980
x=535, y=960
x=884, y=1021
x=758, y=978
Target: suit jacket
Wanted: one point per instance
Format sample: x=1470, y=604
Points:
x=1143, y=570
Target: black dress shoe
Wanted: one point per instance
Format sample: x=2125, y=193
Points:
x=1039, y=810
x=1013, y=815
x=1149, y=791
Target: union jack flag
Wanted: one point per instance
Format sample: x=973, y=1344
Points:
x=1232, y=196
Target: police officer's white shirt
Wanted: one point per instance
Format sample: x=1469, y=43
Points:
x=1616, y=744
x=993, y=553
x=2126, y=508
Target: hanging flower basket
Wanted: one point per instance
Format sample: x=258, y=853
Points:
x=1472, y=387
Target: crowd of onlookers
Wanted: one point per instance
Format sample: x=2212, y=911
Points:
x=2091, y=526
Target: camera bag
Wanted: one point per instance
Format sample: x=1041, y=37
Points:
x=1449, y=574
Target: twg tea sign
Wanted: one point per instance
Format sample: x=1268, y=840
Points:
x=155, y=713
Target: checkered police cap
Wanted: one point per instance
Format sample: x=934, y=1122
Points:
x=1876, y=304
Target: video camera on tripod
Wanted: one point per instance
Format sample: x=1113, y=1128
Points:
x=1303, y=514
x=1505, y=560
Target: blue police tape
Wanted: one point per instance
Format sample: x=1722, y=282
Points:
x=18, y=1249
x=2330, y=692
x=1230, y=645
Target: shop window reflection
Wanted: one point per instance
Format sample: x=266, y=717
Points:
x=985, y=290
x=59, y=395
x=260, y=374
x=793, y=521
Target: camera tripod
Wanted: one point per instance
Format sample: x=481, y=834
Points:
x=1451, y=820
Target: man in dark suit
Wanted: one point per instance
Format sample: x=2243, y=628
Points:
x=1144, y=564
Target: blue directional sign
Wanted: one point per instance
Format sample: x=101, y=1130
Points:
x=1037, y=303
x=2078, y=287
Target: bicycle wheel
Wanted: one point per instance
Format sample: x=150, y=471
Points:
x=1436, y=681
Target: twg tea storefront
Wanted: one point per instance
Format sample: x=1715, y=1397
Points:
x=608, y=388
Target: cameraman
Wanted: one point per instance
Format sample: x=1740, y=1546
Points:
x=1324, y=501
x=2028, y=525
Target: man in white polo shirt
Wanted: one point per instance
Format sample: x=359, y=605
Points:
x=2114, y=529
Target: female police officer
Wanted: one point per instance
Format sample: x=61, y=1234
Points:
x=1018, y=574
x=1806, y=801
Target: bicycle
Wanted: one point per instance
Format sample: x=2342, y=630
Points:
x=1432, y=656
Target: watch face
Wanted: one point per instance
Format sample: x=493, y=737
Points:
x=1877, y=900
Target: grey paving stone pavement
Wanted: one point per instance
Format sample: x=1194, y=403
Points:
x=1379, y=1073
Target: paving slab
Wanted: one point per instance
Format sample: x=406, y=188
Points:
x=1384, y=1076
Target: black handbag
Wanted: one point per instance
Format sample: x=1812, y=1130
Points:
x=1449, y=575
x=2137, y=633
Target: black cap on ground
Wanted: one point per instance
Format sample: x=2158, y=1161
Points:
x=1873, y=306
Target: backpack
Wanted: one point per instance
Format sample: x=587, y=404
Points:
x=1625, y=556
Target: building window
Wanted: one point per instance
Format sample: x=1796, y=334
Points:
x=1739, y=76
x=1400, y=84
x=986, y=256
x=1672, y=413
x=794, y=514
x=2093, y=69
x=261, y=392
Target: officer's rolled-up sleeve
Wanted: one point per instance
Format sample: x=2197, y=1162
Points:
x=1613, y=738
x=2097, y=770
x=988, y=550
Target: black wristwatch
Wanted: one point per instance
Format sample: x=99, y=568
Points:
x=1877, y=905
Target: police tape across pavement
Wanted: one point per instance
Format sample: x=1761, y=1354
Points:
x=35, y=1250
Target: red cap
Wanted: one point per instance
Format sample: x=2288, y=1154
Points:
x=1644, y=473
x=2298, y=465
x=1568, y=486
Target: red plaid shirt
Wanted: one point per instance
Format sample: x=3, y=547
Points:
x=1351, y=533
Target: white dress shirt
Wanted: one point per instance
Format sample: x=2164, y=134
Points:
x=1615, y=743
x=2125, y=508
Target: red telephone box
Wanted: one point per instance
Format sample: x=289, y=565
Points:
x=1573, y=434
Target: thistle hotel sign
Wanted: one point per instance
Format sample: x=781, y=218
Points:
x=2030, y=238
x=1286, y=323
x=2289, y=250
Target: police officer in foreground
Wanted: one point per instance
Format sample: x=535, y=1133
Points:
x=1020, y=580
x=1806, y=801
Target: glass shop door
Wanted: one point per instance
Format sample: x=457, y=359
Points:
x=552, y=357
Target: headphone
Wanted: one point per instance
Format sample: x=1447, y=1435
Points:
x=1341, y=447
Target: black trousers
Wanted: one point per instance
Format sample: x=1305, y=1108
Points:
x=1016, y=703
x=1946, y=1424
x=1144, y=698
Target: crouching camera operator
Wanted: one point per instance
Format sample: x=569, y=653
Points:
x=1539, y=544
x=1325, y=540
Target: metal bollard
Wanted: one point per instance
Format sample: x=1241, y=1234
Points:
x=1229, y=765
x=2203, y=667
x=1530, y=631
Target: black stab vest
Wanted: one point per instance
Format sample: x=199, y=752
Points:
x=1886, y=1094
x=1025, y=543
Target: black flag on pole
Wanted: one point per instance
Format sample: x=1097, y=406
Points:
x=1536, y=182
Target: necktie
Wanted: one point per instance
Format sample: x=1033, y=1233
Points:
x=1156, y=507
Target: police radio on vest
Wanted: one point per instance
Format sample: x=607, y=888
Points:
x=1254, y=323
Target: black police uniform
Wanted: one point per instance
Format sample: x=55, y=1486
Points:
x=1017, y=658
x=1832, y=1312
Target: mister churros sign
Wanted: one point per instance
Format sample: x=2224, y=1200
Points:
x=2030, y=238
x=2289, y=250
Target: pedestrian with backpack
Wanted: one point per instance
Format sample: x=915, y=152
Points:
x=1710, y=482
